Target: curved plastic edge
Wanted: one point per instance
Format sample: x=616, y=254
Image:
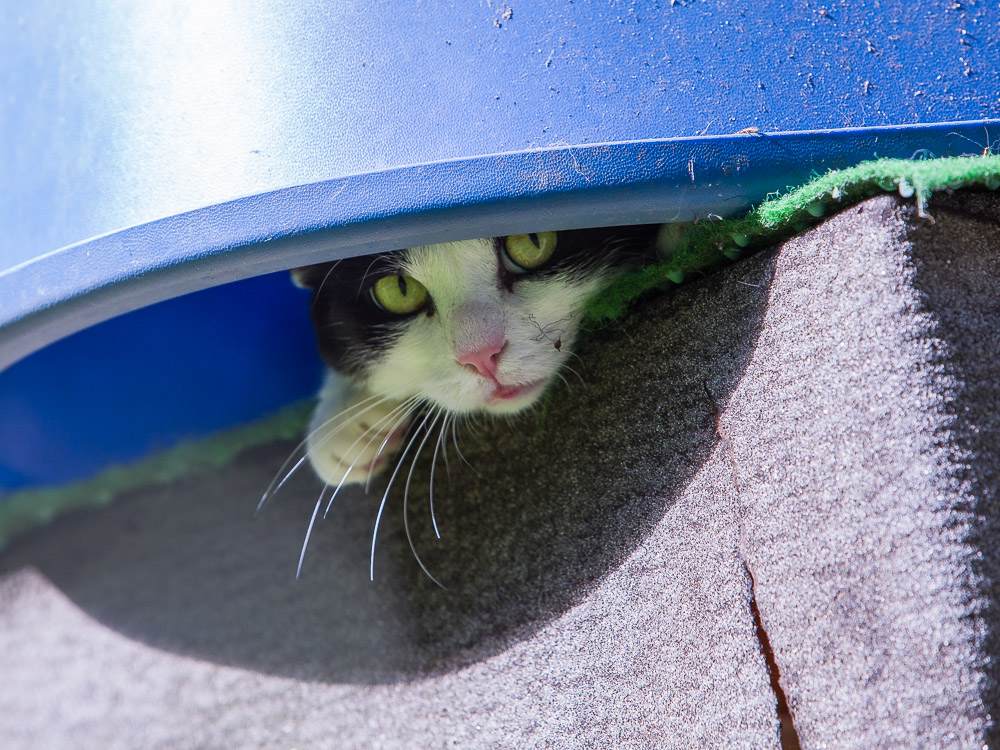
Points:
x=632, y=182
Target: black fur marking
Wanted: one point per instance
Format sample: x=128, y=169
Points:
x=350, y=327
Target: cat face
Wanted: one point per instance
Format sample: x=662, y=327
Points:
x=473, y=326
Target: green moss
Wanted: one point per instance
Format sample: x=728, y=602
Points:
x=706, y=244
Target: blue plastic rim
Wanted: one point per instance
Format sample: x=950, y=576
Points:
x=148, y=151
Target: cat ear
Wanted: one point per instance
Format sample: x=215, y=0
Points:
x=310, y=277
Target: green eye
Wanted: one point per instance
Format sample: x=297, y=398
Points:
x=528, y=251
x=399, y=294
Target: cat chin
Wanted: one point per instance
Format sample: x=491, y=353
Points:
x=509, y=408
x=513, y=400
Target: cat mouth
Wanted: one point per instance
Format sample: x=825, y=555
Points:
x=511, y=392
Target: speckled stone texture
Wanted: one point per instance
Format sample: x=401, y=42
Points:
x=823, y=418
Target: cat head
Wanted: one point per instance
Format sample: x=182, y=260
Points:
x=472, y=326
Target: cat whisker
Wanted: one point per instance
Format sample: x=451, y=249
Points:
x=454, y=438
x=325, y=278
x=413, y=404
x=385, y=497
x=437, y=447
x=340, y=484
x=474, y=425
x=614, y=244
x=274, y=486
x=578, y=375
x=582, y=362
x=403, y=407
x=322, y=441
x=406, y=492
x=444, y=447
x=312, y=522
x=364, y=276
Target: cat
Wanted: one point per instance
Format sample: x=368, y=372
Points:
x=477, y=326
x=423, y=336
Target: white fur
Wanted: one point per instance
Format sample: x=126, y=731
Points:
x=539, y=320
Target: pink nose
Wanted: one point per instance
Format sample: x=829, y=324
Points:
x=484, y=360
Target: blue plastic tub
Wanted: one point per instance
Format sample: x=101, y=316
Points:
x=149, y=151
